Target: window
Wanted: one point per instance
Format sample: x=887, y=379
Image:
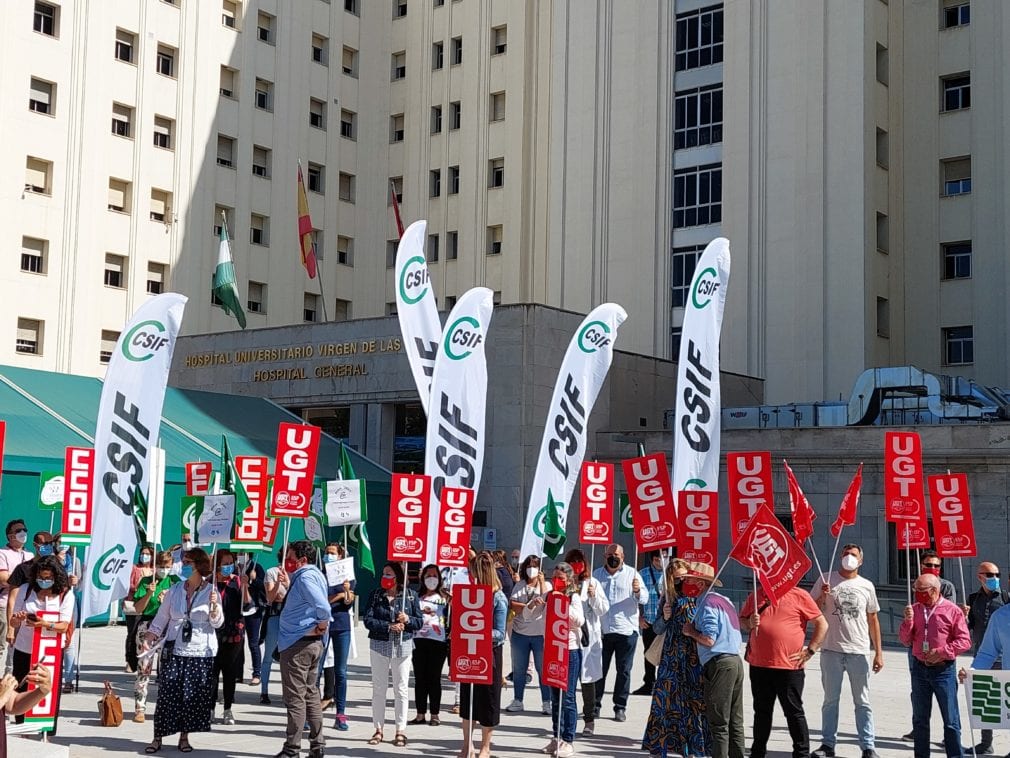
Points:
x=682, y=264
x=453, y=180
x=316, y=235
x=34, y=253
x=698, y=117
x=163, y=129
x=451, y=245
x=437, y=56
x=345, y=250
x=457, y=50
x=351, y=6
x=223, y=213
x=115, y=270
x=436, y=119
x=320, y=49
x=317, y=178
x=956, y=92
x=108, y=345
x=450, y=302
x=42, y=97
x=439, y=3
x=883, y=317
x=264, y=95
x=494, y=236
x=156, y=278
x=391, y=246
x=957, y=260
x=256, y=301
x=122, y=118
x=38, y=176
x=161, y=205
x=497, y=106
x=126, y=42
x=29, y=336
x=399, y=61
x=397, y=183
x=882, y=148
x=432, y=250
x=455, y=114
x=499, y=40
x=882, y=65
x=119, y=195
x=46, y=20
x=341, y=310
x=953, y=15
x=956, y=176
x=317, y=113
x=165, y=61
x=230, y=14
x=435, y=182
x=883, y=233
x=959, y=345
x=262, y=158
x=396, y=128
x=390, y=309
x=348, y=124
x=699, y=38
x=675, y=334
x=697, y=196
x=349, y=61
x=347, y=187
x=259, y=229
x=399, y=8
x=496, y=172
x=229, y=83
x=310, y=307
x=265, y=24
x=225, y=151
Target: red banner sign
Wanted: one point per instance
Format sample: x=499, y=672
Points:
x=904, y=491
x=953, y=526
x=596, y=512
x=198, y=474
x=253, y=471
x=749, y=476
x=653, y=510
x=913, y=535
x=78, y=474
x=471, y=653
x=408, y=517
x=47, y=650
x=698, y=526
x=294, y=469
x=556, y=641
x=269, y=522
x=778, y=559
x=455, y=519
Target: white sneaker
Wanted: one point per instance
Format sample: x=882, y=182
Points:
x=546, y=709
x=228, y=719
x=516, y=706
x=565, y=750
x=550, y=747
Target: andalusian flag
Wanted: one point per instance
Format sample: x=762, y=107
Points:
x=231, y=483
x=554, y=532
x=225, y=287
x=308, y=250
x=140, y=515
x=357, y=534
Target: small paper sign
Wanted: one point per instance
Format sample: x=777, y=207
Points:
x=338, y=572
x=214, y=524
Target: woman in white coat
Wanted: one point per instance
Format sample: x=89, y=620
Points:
x=595, y=606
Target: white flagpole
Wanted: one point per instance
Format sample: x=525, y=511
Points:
x=908, y=564
x=817, y=563
x=754, y=576
x=835, y=551
x=960, y=570
x=971, y=729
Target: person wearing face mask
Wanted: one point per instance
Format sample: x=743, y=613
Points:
x=72, y=565
x=528, y=601
x=254, y=621
x=275, y=593
x=652, y=576
x=12, y=555
x=45, y=546
x=231, y=634
x=142, y=569
x=626, y=592
x=594, y=607
x=564, y=712
x=341, y=599
x=430, y=648
x=849, y=603
x=935, y=630
x=514, y=562
x=147, y=600
x=504, y=571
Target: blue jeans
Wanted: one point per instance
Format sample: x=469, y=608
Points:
x=341, y=641
x=622, y=648
x=942, y=682
x=857, y=666
x=269, y=645
x=566, y=699
x=252, y=633
x=522, y=646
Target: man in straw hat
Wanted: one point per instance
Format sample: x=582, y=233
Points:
x=716, y=629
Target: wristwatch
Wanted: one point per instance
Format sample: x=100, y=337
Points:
x=811, y=651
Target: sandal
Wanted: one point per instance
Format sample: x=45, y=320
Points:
x=184, y=746
x=154, y=747
x=376, y=738
x=400, y=740
x=435, y=721
x=418, y=720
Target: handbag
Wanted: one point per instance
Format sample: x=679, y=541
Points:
x=655, y=651
x=110, y=707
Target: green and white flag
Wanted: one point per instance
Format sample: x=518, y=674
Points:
x=225, y=287
x=554, y=530
x=191, y=508
x=357, y=534
x=624, y=522
x=51, y=490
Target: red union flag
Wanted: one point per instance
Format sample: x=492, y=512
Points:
x=596, y=514
x=198, y=474
x=78, y=473
x=455, y=519
x=771, y=551
x=653, y=511
x=47, y=650
x=850, y=504
x=749, y=476
x=555, y=666
x=294, y=469
x=253, y=471
x=953, y=526
x=803, y=514
x=408, y=516
x=471, y=653
x=904, y=492
x=698, y=526
x=913, y=535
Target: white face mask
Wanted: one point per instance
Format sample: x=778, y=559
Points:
x=850, y=562
x=431, y=582
x=532, y=572
x=161, y=573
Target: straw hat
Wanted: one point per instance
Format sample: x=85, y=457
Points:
x=703, y=571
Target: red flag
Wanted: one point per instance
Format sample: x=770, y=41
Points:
x=555, y=665
x=904, y=493
x=198, y=474
x=803, y=514
x=78, y=474
x=847, y=511
x=47, y=650
x=252, y=470
x=913, y=535
x=698, y=526
x=471, y=655
x=653, y=509
x=408, y=517
x=779, y=560
x=749, y=476
x=596, y=511
x=396, y=209
x=953, y=526
x=308, y=250
x=294, y=469
x=455, y=522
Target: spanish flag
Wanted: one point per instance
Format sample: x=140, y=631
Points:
x=308, y=250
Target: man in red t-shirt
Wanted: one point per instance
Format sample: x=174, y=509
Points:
x=777, y=655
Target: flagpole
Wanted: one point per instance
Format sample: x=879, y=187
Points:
x=301, y=242
x=960, y=570
x=319, y=278
x=754, y=575
x=908, y=564
x=835, y=551
x=817, y=563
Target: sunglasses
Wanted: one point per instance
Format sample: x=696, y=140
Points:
x=988, y=574
x=932, y=565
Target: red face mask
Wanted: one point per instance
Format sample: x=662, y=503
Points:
x=388, y=582
x=934, y=570
x=578, y=567
x=290, y=565
x=690, y=590
x=923, y=597
x=560, y=584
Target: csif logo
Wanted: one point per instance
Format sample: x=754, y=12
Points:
x=414, y=278
x=108, y=566
x=706, y=285
x=594, y=336
x=144, y=340
x=464, y=335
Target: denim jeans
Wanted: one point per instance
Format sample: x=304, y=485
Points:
x=522, y=646
x=252, y=633
x=622, y=648
x=940, y=681
x=269, y=645
x=566, y=700
x=857, y=666
x=341, y=641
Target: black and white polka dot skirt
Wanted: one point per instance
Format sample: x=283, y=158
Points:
x=185, y=695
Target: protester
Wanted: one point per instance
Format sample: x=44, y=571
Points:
x=777, y=656
x=275, y=592
x=994, y=644
x=979, y=610
x=564, y=712
x=254, y=621
x=430, y=647
x=231, y=634
x=527, y=600
x=142, y=569
x=514, y=564
x=45, y=545
x=187, y=621
x=504, y=571
x=931, y=563
x=341, y=599
x=594, y=607
x=483, y=701
x=304, y=622
x=849, y=603
x=15, y=702
x=12, y=555
x=72, y=565
x=147, y=600
x=935, y=630
x=652, y=578
x=677, y=723
x=625, y=591
x=391, y=618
